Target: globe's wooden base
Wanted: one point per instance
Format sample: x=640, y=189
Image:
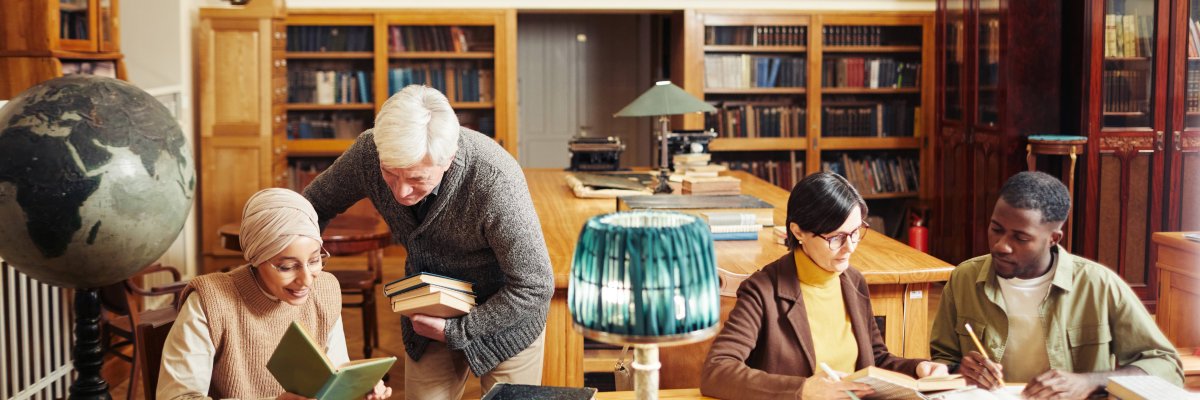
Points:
x=88, y=355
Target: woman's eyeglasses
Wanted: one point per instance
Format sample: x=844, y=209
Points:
x=836, y=242
x=291, y=268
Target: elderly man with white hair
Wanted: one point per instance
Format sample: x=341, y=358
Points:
x=229, y=322
x=459, y=204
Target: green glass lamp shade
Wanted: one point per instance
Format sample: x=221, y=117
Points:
x=664, y=98
x=645, y=277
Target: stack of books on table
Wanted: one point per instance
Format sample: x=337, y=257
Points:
x=712, y=185
x=430, y=294
x=733, y=225
x=780, y=234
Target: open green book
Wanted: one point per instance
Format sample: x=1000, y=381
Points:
x=302, y=368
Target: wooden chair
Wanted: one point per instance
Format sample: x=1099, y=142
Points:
x=152, y=336
x=122, y=303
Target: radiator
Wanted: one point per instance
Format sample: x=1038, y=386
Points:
x=35, y=338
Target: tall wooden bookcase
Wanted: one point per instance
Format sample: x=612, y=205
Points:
x=797, y=75
x=999, y=80
x=265, y=123
x=240, y=69
x=41, y=38
x=1142, y=117
x=430, y=48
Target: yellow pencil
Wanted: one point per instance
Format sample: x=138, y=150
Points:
x=979, y=346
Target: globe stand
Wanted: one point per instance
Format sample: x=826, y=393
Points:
x=88, y=353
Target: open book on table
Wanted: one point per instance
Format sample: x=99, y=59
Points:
x=895, y=385
x=302, y=368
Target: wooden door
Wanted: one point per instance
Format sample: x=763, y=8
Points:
x=952, y=172
x=1184, y=143
x=1127, y=115
x=235, y=65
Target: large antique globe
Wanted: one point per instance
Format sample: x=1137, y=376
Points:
x=96, y=181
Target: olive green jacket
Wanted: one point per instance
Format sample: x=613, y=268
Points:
x=1093, y=320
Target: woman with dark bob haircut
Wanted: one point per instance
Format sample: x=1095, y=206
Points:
x=806, y=309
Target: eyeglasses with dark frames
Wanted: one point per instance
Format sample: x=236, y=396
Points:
x=836, y=242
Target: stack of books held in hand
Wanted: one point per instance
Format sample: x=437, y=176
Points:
x=733, y=225
x=430, y=294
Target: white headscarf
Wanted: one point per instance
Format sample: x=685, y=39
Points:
x=272, y=219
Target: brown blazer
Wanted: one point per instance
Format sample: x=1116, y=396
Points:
x=765, y=349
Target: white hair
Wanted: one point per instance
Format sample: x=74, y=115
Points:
x=414, y=122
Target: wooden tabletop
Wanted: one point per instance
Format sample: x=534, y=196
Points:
x=668, y=394
x=881, y=259
x=1176, y=239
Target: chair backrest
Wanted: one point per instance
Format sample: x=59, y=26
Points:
x=151, y=338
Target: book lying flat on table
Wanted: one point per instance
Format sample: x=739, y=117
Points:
x=512, y=391
x=1145, y=387
x=895, y=385
x=302, y=368
x=437, y=304
x=764, y=212
x=414, y=280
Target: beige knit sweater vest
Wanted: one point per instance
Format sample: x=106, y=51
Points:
x=246, y=325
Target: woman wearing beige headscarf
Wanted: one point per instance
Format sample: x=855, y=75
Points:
x=230, y=322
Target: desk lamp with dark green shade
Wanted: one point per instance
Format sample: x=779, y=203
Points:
x=664, y=99
x=645, y=279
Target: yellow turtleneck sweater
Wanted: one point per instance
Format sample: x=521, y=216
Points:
x=828, y=322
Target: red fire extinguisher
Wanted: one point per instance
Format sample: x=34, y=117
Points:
x=918, y=234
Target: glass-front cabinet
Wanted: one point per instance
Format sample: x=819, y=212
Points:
x=1128, y=149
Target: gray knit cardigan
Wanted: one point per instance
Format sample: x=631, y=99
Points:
x=481, y=228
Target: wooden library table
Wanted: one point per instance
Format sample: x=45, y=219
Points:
x=664, y=394
x=1178, y=263
x=900, y=278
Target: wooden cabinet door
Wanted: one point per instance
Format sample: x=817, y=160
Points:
x=952, y=174
x=1127, y=115
x=1184, y=142
x=234, y=63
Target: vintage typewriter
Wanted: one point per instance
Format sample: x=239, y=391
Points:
x=590, y=153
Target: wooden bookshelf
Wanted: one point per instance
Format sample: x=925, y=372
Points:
x=329, y=107
x=330, y=55
x=444, y=55
x=906, y=39
x=317, y=147
x=46, y=38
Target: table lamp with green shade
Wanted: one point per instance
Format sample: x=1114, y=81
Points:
x=661, y=100
x=645, y=279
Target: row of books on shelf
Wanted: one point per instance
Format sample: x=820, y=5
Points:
x=841, y=35
x=461, y=81
x=106, y=69
x=73, y=24
x=873, y=73
x=329, y=38
x=748, y=120
x=876, y=174
x=482, y=122
x=1128, y=35
x=756, y=35
x=328, y=87
x=1193, y=38
x=1193, y=87
x=302, y=171
x=440, y=38
x=430, y=294
x=881, y=119
x=1126, y=90
x=753, y=71
x=325, y=125
x=784, y=174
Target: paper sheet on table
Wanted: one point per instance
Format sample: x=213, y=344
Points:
x=1010, y=392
